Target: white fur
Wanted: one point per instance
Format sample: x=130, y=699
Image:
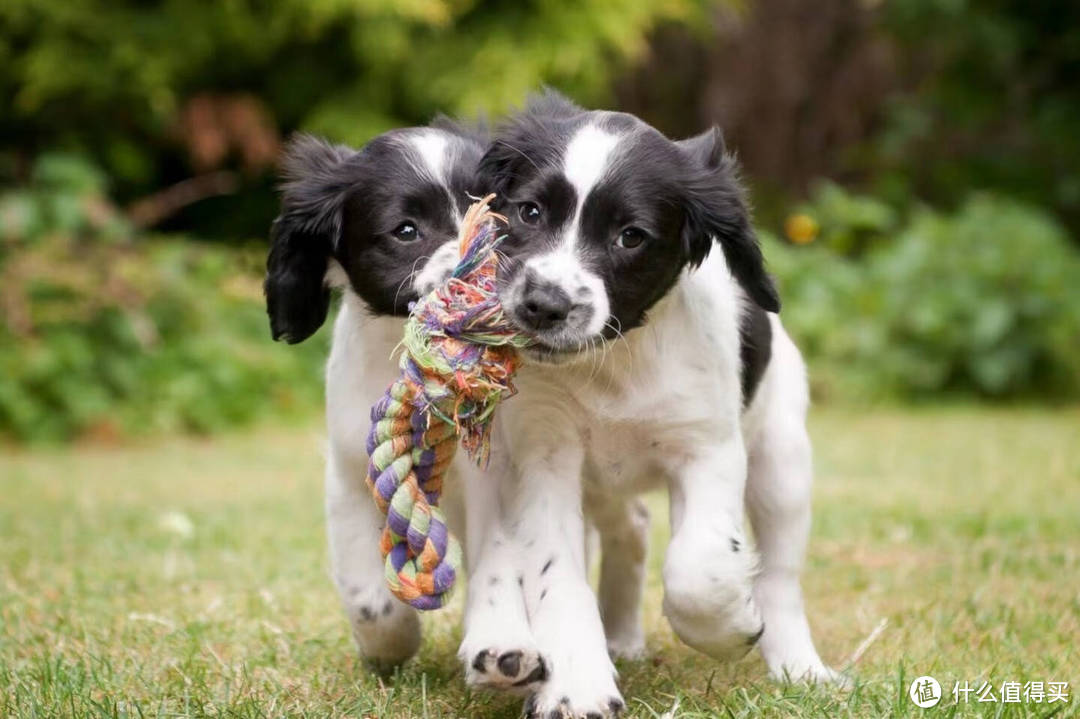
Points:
x=584, y=164
x=431, y=146
x=436, y=155
x=436, y=268
x=778, y=503
x=359, y=369
x=624, y=541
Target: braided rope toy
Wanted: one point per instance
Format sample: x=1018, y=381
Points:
x=460, y=354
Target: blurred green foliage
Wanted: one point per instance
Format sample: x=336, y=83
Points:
x=109, y=334
x=992, y=102
x=983, y=301
x=110, y=330
x=112, y=78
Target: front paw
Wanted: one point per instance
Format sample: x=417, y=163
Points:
x=515, y=670
x=551, y=705
x=577, y=690
x=722, y=631
x=712, y=610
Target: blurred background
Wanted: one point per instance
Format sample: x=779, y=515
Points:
x=915, y=166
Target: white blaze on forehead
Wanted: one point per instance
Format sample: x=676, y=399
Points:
x=436, y=154
x=431, y=146
x=587, y=158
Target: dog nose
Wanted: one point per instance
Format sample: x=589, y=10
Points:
x=543, y=305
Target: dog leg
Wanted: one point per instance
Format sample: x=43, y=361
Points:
x=778, y=502
x=543, y=505
x=708, y=567
x=387, y=631
x=498, y=651
x=624, y=543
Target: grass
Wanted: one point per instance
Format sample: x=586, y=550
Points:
x=189, y=578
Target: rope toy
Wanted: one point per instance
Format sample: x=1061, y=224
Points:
x=460, y=354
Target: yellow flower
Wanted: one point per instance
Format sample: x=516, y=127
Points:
x=801, y=228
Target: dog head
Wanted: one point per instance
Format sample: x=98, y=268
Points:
x=386, y=215
x=605, y=213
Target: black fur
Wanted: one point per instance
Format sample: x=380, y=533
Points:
x=345, y=204
x=301, y=237
x=717, y=211
x=755, y=349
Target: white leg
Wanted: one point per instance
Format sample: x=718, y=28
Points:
x=387, y=631
x=778, y=502
x=623, y=524
x=543, y=507
x=498, y=651
x=708, y=567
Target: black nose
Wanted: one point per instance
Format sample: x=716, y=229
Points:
x=543, y=305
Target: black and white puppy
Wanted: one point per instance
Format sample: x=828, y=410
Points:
x=660, y=362
x=381, y=223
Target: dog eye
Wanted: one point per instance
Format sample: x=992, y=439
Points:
x=529, y=212
x=630, y=238
x=406, y=232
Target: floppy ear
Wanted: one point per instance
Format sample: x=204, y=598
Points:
x=303, y=237
x=716, y=211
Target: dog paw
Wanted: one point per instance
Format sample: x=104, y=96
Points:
x=577, y=689
x=386, y=632
x=628, y=645
x=517, y=670
x=713, y=613
x=547, y=706
x=813, y=672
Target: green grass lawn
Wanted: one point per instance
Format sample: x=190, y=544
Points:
x=189, y=578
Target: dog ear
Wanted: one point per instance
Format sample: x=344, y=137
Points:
x=304, y=235
x=706, y=149
x=716, y=211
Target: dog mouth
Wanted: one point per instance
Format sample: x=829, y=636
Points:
x=563, y=345
x=542, y=352
x=559, y=350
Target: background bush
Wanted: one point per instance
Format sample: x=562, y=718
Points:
x=108, y=334
x=915, y=160
x=984, y=301
x=154, y=93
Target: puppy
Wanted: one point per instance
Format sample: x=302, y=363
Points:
x=380, y=223
x=659, y=362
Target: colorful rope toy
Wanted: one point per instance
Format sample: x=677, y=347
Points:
x=460, y=354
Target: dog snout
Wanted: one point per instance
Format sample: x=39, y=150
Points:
x=543, y=304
